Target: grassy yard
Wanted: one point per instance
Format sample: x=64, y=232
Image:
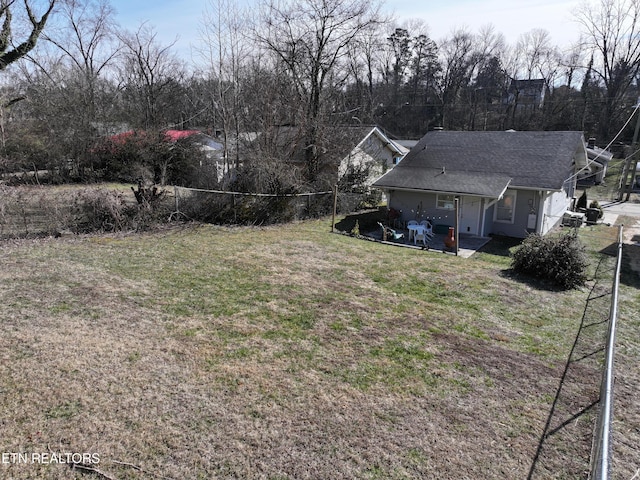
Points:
x=292, y=353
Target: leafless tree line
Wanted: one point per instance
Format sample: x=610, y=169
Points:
x=72, y=75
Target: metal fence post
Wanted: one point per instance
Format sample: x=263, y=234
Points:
x=601, y=451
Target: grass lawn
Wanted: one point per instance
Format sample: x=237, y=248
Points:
x=292, y=353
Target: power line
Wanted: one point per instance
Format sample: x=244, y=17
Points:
x=589, y=163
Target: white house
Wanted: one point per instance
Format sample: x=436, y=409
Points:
x=373, y=155
x=597, y=166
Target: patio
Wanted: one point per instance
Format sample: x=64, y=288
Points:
x=468, y=244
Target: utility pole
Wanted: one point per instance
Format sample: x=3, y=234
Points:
x=631, y=161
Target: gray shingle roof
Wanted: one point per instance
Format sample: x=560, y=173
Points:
x=485, y=163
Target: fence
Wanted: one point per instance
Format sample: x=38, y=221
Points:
x=221, y=206
x=601, y=451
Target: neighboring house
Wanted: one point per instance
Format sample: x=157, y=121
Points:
x=356, y=155
x=507, y=183
x=408, y=144
x=598, y=163
x=526, y=94
x=212, y=149
x=373, y=155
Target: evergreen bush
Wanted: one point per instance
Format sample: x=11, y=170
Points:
x=559, y=260
x=582, y=201
x=596, y=205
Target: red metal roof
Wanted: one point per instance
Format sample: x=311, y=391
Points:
x=175, y=135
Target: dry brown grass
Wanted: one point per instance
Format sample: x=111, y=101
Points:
x=289, y=352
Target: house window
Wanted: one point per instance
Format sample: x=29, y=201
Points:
x=445, y=202
x=506, y=207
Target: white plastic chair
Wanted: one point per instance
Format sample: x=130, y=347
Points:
x=420, y=235
x=427, y=227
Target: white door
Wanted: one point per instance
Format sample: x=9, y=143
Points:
x=470, y=208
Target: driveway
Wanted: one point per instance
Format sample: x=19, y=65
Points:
x=613, y=210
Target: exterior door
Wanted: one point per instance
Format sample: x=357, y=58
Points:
x=470, y=208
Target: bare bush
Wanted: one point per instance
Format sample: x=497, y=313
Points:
x=251, y=209
x=98, y=209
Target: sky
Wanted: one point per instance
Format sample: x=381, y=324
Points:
x=181, y=20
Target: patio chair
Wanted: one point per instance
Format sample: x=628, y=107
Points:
x=428, y=227
x=390, y=233
x=421, y=236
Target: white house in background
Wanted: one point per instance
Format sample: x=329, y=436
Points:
x=212, y=149
x=597, y=166
x=372, y=155
x=354, y=155
x=507, y=183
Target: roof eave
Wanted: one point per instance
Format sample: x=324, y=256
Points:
x=441, y=192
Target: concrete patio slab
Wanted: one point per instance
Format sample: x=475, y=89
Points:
x=469, y=244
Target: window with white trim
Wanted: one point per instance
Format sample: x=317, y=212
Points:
x=506, y=207
x=445, y=202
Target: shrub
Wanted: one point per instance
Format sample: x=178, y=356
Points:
x=100, y=210
x=582, y=201
x=355, y=231
x=594, y=204
x=560, y=260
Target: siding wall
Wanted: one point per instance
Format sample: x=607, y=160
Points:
x=371, y=154
x=420, y=206
x=556, y=204
x=548, y=210
x=526, y=202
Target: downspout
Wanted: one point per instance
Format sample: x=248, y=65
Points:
x=483, y=217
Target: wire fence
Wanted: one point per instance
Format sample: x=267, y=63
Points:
x=27, y=211
x=219, y=206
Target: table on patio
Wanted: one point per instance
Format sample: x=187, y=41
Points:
x=418, y=230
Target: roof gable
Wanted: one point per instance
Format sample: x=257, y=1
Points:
x=385, y=141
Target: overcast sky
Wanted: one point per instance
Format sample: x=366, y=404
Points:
x=182, y=18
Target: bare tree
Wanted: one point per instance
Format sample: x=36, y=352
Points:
x=363, y=67
x=12, y=49
x=458, y=58
x=612, y=29
x=573, y=63
x=225, y=51
x=13, y=46
x=150, y=76
x=309, y=39
x=534, y=49
x=84, y=48
x=86, y=36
